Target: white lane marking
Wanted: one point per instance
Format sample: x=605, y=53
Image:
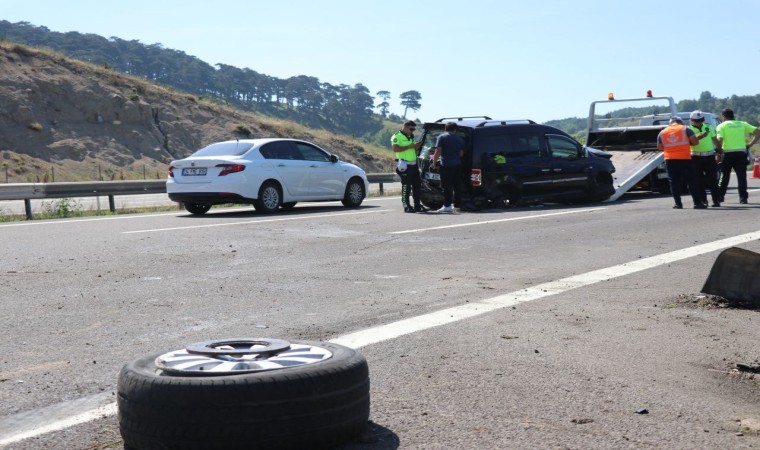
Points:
x=471, y=224
x=403, y=327
x=40, y=429
x=414, y=324
x=94, y=219
x=247, y=222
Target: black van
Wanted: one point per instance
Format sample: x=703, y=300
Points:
x=509, y=162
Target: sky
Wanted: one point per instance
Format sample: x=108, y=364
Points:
x=507, y=59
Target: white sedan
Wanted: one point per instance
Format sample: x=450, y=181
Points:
x=269, y=173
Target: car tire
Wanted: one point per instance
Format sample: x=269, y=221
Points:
x=197, y=209
x=507, y=197
x=318, y=405
x=288, y=205
x=354, y=193
x=269, y=199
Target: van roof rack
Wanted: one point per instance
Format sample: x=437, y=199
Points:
x=459, y=119
x=489, y=123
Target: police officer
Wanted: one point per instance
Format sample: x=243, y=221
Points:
x=676, y=141
x=732, y=134
x=705, y=155
x=405, y=150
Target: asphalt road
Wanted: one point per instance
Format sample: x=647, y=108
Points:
x=552, y=326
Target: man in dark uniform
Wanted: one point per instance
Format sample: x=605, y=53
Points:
x=449, y=149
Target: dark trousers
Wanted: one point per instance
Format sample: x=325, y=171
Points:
x=410, y=183
x=707, y=177
x=736, y=161
x=451, y=183
x=680, y=170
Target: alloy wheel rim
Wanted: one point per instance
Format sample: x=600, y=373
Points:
x=238, y=356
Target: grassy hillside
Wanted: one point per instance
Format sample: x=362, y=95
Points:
x=66, y=120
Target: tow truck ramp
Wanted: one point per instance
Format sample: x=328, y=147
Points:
x=631, y=167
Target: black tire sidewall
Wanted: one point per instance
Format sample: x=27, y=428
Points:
x=347, y=201
x=316, y=405
x=197, y=208
x=259, y=203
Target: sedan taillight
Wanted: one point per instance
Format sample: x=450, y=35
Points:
x=230, y=168
x=170, y=171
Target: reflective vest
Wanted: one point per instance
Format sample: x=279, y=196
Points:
x=409, y=155
x=733, y=134
x=675, y=142
x=705, y=146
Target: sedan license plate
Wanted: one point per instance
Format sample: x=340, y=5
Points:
x=433, y=176
x=194, y=172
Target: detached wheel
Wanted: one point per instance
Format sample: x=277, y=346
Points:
x=354, y=193
x=270, y=197
x=198, y=209
x=220, y=395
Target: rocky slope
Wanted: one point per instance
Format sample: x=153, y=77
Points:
x=65, y=120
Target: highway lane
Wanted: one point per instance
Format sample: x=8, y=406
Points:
x=84, y=296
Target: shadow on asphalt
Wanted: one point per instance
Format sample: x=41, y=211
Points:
x=376, y=437
x=299, y=209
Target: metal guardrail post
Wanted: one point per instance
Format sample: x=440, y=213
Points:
x=28, y=208
x=111, y=203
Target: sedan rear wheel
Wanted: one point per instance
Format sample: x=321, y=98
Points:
x=354, y=193
x=270, y=197
x=198, y=209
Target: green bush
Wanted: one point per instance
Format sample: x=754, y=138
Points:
x=62, y=207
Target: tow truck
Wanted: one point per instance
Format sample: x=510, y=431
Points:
x=627, y=129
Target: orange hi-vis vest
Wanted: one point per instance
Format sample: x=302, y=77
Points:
x=675, y=142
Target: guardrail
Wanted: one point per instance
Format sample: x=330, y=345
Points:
x=31, y=191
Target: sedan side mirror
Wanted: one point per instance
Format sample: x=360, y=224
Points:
x=333, y=158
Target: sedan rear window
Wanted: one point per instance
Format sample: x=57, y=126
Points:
x=224, y=149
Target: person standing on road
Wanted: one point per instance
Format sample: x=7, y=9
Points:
x=705, y=156
x=449, y=149
x=732, y=135
x=405, y=150
x=676, y=141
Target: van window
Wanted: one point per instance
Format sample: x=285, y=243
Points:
x=431, y=138
x=511, y=145
x=563, y=148
x=525, y=146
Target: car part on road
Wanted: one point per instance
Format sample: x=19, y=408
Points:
x=734, y=276
x=244, y=393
